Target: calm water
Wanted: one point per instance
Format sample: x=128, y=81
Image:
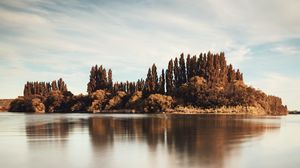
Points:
x=89, y=140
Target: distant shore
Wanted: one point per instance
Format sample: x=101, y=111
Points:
x=294, y=112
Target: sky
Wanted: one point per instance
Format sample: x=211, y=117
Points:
x=44, y=40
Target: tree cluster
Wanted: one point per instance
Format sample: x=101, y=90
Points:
x=44, y=88
x=212, y=67
x=128, y=87
x=102, y=80
x=99, y=79
x=153, y=84
x=204, y=81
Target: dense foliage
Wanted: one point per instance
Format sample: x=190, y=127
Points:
x=43, y=88
x=204, y=81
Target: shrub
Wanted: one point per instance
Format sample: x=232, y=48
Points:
x=116, y=101
x=157, y=103
x=19, y=105
x=27, y=105
x=80, y=103
x=53, y=101
x=37, y=105
x=135, y=100
x=99, y=98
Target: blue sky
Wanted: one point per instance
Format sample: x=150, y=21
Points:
x=45, y=40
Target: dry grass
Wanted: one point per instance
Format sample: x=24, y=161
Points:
x=240, y=110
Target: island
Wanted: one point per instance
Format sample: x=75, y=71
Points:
x=202, y=84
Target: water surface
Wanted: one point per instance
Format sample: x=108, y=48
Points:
x=128, y=140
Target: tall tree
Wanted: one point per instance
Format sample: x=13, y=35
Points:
x=216, y=69
x=188, y=67
x=169, y=78
x=239, y=75
x=193, y=67
x=162, y=82
x=154, y=88
x=148, y=84
x=54, y=85
x=209, y=68
x=176, y=73
x=182, y=75
x=230, y=74
x=110, y=80
x=223, y=69
x=91, y=86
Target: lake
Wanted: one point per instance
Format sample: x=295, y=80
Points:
x=148, y=141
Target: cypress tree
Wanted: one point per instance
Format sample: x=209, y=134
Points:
x=188, y=67
x=164, y=81
x=161, y=89
x=169, y=78
x=98, y=77
x=193, y=67
x=201, y=65
x=182, y=74
x=176, y=73
x=216, y=69
x=223, y=67
x=61, y=85
x=91, y=86
x=110, y=81
x=154, y=87
x=209, y=68
x=53, y=85
x=230, y=74
x=103, y=79
x=148, y=84
x=26, y=91
x=239, y=75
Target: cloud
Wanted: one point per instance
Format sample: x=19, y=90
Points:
x=287, y=50
x=238, y=55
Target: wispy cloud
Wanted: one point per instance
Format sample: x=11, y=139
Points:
x=287, y=50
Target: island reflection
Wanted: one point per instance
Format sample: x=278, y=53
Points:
x=185, y=140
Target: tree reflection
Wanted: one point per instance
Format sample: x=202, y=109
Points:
x=59, y=128
x=206, y=140
x=193, y=140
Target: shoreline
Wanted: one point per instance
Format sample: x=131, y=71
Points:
x=188, y=110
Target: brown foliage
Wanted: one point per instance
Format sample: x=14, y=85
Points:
x=98, y=101
x=27, y=105
x=53, y=101
x=135, y=100
x=116, y=101
x=37, y=105
x=157, y=103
